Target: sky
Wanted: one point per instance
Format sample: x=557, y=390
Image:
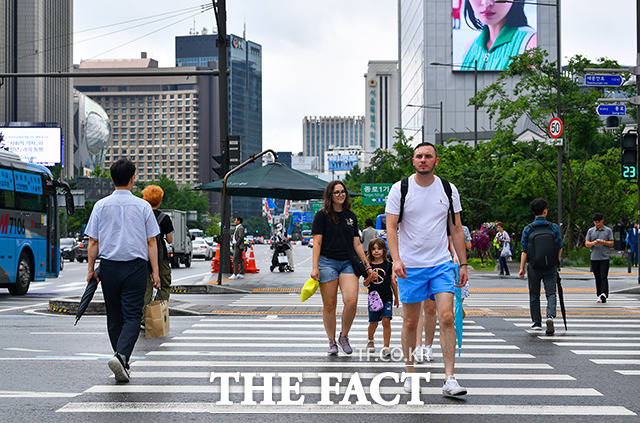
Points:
x=314, y=53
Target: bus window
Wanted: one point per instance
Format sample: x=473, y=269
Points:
x=7, y=198
x=28, y=191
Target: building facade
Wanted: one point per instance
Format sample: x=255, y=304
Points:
x=425, y=37
x=156, y=121
x=245, y=94
x=37, y=36
x=382, y=106
x=325, y=133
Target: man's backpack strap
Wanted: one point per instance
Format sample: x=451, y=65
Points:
x=404, y=188
x=447, y=190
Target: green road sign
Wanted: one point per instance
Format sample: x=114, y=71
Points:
x=316, y=206
x=374, y=194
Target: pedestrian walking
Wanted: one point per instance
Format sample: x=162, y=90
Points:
x=335, y=241
x=503, y=241
x=368, y=234
x=600, y=240
x=238, y=249
x=541, y=250
x=122, y=233
x=383, y=294
x=632, y=242
x=153, y=194
x=421, y=211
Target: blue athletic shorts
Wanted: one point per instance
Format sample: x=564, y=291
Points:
x=330, y=269
x=386, y=311
x=424, y=282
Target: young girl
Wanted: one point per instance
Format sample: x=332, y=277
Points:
x=387, y=287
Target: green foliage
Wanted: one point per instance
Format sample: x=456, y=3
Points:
x=257, y=225
x=478, y=264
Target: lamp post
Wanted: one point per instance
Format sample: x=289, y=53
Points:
x=558, y=74
x=475, y=93
x=430, y=107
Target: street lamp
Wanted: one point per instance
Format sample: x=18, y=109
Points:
x=558, y=69
x=475, y=93
x=431, y=107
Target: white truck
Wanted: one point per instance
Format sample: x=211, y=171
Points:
x=180, y=250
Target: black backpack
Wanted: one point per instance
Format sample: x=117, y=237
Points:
x=162, y=248
x=542, y=250
x=404, y=189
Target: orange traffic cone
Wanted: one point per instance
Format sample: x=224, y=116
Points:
x=215, y=263
x=250, y=265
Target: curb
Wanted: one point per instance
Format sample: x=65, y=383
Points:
x=634, y=290
x=206, y=289
x=69, y=305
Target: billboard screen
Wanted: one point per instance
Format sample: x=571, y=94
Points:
x=489, y=33
x=342, y=161
x=34, y=145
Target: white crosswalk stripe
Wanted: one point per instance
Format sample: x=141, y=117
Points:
x=501, y=379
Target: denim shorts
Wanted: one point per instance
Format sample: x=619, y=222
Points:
x=424, y=282
x=330, y=269
x=386, y=311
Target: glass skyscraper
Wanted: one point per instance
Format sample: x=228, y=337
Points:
x=245, y=95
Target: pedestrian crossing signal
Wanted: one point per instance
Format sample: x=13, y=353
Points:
x=629, y=144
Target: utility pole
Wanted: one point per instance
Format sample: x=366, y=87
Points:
x=220, y=9
x=638, y=109
x=558, y=75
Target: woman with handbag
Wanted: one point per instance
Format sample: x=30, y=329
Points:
x=503, y=241
x=338, y=261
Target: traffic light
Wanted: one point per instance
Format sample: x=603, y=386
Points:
x=629, y=144
x=222, y=169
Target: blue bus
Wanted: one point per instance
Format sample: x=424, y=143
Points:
x=29, y=227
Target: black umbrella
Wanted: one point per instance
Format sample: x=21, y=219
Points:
x=561, y=296
x=86, y=298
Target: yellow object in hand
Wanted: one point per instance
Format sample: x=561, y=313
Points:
x=308, y=289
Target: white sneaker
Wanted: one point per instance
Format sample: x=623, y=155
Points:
x=233, y=277
x=407, y=383
x=427, y=353
x=418, y=354
x=451, y=388
x=240, y=276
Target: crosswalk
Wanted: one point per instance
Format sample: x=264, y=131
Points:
x=595, y=338
x=279, y=365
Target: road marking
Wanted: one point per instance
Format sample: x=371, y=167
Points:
x=316, y=345
x=366, y=375
x=32, y=394
x=332, y=364
x=208, y=407
x=315, y=390
x=583, y=320
x=73, y=284
x=615, y=361
x=299, y=339
x=301, y=326
x=190, y=277
x=625, y=372
x=604, y=352
x=67, y=333
x=318, y=332
x=21, y=307
x=24, y=349
x=590, y=325
x=309, y=354
x=568, y=337
x=589, y=332
x=597, y=344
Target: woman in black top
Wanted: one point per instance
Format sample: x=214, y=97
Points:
x=335, y=236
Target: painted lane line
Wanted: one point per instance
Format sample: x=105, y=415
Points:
x=332, y=364
x=318, y=345
x=191, y=276
x=310, y=333
x=568, y=337
x=67, y=333
x=306, y=354
x=299, y=339
x=366, y=375
x=269, y=319
x=24, y=349
x=315, y=390
x=468, y=409
x=604, y=352
x=21, y=307
x=597, y=344
x=302, y=326
x=73, y=284
x=627, y=372
x=615, y=361
x=578, y=320
x=31, y=394
x=588, y=332
x=590, y=325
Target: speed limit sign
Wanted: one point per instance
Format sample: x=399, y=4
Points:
x=555, y=127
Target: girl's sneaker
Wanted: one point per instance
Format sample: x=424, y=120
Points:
x=451, y=388
x=344, y=343
x=333, y=348
x=370, y=347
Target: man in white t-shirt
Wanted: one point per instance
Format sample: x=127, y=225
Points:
x=421, y=259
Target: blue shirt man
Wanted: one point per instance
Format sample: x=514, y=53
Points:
x=535, y=276
x=122, y=231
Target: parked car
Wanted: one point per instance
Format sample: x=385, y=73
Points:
x=68, y=249
x=83, y=250
x=202, y=249
x=209, y=240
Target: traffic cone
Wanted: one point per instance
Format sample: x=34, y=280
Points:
x=250, y=265
x=215, y=263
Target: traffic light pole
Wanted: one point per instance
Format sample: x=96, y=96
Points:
x=638, y=112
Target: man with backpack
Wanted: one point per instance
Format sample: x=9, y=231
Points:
x=422, y=210
x=542, y=249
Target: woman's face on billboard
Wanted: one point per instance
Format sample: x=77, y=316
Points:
x=489, y=12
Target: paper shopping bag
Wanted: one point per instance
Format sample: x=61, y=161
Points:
x=156, y=319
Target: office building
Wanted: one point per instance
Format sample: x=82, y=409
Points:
x=432, y=31
x=324, y=133
x=37, y=36
x=245, y=94
x=156, y=121
x=382, y=106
